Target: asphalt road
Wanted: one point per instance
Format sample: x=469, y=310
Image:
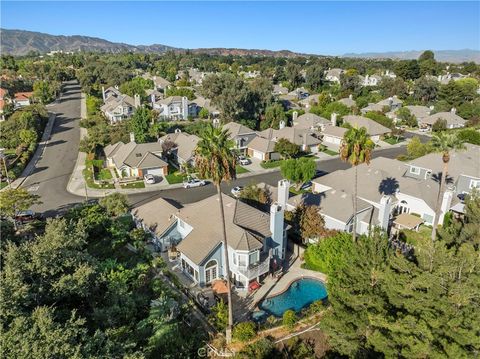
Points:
x=50, y=177
x=51, y=174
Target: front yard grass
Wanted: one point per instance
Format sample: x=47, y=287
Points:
x=88, y=176
x=412, y=237
x=240, y=170
x=175, y=177
x=393, y=140
x=104, y=174
x=271, y=164
x=137, y=184
x=330, y=152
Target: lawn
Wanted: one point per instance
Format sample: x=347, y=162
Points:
x=3, y=185
x=393, y=140
x=175, y=177
x=137, y=184
x=88, y=176
x=241, y=170
x=330, y=152
x=414, y=238
x=271, y=164
x=104, y=174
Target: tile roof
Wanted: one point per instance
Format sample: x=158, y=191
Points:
x=452, y=119
x=186, y=144
x=298, y=136
x=373, y=128
x=135, y=155
x=334, y=131
x=309, y=120
x=157, y=215
x=237, y=129
x=261, y=144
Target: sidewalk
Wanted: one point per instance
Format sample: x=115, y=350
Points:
x=38, y=153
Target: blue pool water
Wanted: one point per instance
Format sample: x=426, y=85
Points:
x=299, y=295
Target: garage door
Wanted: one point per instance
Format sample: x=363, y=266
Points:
x=257, y=154
x=153, y=171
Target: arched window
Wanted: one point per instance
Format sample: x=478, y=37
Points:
x=211, y=271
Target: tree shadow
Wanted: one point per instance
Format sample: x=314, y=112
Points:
x=437, y=177
x=388, y=186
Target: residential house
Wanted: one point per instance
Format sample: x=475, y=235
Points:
x=136, y=160
x=118, y=106
x=185, y=145
x=22, y=99
x=333, y=136
x=451, y=118
x=374, y=129
x=389, y=104
x=419, y=112
x=370, y=80
x=348, y=101
x=160, y=83
x=241, y=135
x=176, y=108
x=309, y=121
x=206, y=103
x=333, y=75
x=305, y=138
x=256, y=239
x=279, y=90
x=262, y=149
x=307, y=102
x=300, y=93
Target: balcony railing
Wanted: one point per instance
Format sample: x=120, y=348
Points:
x=257, y=269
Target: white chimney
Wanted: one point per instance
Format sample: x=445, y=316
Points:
x=136, y=99
x=152, y=98
x=446, y=204
x=103, y=93
x=276, y=227
x=384, y=212
x=185, y=107
x=333, y=119
x=294, y=116
x=281, y=125
x=453, y=110
x=283, y=192
x=132, y=137
x=116, y=87
x=390, y=101
x=177, y=130
x=350, y=97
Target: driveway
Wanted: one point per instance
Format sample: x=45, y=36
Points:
x=51, y=174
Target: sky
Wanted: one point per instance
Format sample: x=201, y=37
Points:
x=329, y=28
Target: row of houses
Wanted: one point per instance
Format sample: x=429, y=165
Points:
x=334, y=75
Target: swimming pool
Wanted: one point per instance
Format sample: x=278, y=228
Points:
x=300, y=294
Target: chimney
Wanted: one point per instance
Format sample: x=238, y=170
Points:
x=350, y=97
x=103, y=93
x=283, y=192
x=453, y=110
x=132, y=137
x=116, y=87
x=276, y=227
x=152, y=98
x=384, y=212
x=137, y=101
x=294, y=116
x=333, y=119
x=446, y=204
x=390, y=101
x=281, y=125
x=177, y=130
x=184, y=108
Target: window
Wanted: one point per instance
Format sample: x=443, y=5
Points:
x=415, y=170
x=474, y=184
x=253, y=258
x=211, y=271
x=242, y=260
x=428, y=218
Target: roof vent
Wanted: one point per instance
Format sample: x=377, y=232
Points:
x=138, y=155
x=344, y=195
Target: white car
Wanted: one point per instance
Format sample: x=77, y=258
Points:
x=236, y=191
x=193, y=183
x=149, y=179
x=243, y=160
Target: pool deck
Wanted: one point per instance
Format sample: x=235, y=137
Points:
x=244, y=303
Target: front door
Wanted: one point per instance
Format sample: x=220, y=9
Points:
x=211, y=271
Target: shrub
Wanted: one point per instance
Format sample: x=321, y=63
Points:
x=439, y=125
x=263, y=348
x=289, y=319
x=244, y=331
x=219, y=316
x=469, y=135
x=315, y=307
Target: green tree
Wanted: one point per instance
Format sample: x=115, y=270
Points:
x=356, y=148
x=29, y=138
x=439, y=125
x=140, y=123
x=407, y=69
x=16, y=200
x=256, y=195
x=299, y=171
x=443, y=143
x=244, y=331
x=216, y=160
x=329, y=254
x=426, y=55
x=289, y=319
x=380, y=118
x=415, y=148
x=43, y=91
x=406, y=117
x=425, y=90
x=219, y=316
x=310, y=222
x=180, y=91
x=136, y=86
x=469, y=135
x=393, y=87
x=286, y=148
x=315, y=77
x=274, y=114
x=203, y=113
x=116, y=204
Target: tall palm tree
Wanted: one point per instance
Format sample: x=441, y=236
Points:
x=444, y=143
x=215, y=159
x=356, y=148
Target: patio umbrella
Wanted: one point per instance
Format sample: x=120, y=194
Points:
x=220, y=287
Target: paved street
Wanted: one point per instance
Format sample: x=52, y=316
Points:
x=52, y=172
x=50, y=176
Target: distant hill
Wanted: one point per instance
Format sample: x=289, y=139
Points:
x=20, y=42
x=455, y=56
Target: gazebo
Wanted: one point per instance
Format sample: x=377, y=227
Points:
x=407, y=221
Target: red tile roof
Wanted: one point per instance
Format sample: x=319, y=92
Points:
x=23, y=95
x=3, y=92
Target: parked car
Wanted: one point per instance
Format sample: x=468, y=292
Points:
x=26, y=216
x=149, y=179
x=244, y=160
x=236, y=191
x=194, y=182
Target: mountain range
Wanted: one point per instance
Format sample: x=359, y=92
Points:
x=21, y=42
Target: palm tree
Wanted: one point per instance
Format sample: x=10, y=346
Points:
x=444, y=143
x=215, y=159
x=356, y=148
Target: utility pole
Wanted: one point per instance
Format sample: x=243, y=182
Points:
x=2, y=155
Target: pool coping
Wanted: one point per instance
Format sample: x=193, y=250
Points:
x=255, y=306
